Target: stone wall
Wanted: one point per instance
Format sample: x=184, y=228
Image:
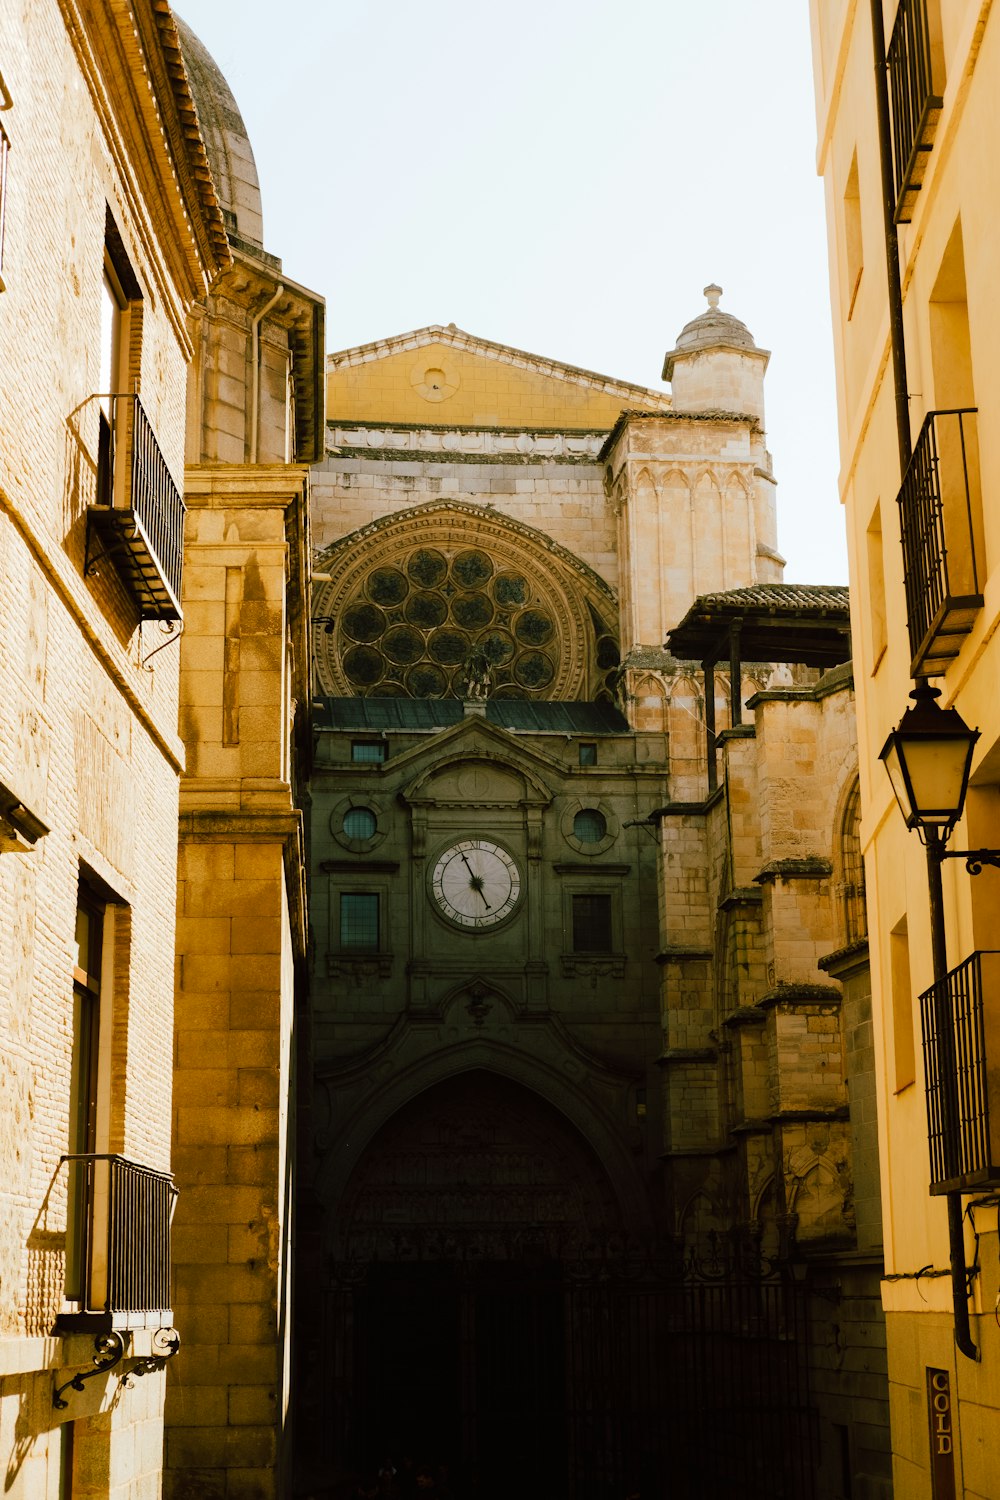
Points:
x=88, y=740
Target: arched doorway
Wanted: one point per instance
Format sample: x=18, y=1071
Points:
x=448, y=1304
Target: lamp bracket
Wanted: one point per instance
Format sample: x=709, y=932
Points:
x=975, y=859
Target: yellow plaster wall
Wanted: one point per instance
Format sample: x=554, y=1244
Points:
x=476, y=391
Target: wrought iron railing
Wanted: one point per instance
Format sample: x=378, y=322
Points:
x=964, y=1139
x=939, y=515
x=913, y=102
x=140, y=514
x=120, y=1215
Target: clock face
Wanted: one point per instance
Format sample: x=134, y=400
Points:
x=476, y=884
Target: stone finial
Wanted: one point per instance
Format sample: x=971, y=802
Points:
x=713, y=293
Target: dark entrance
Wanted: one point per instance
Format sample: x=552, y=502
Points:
x=486, y=1308
x=463, y=1365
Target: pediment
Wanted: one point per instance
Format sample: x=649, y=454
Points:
x=442, y=374
x=474, y=762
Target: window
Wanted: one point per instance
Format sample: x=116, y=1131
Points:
x=359, y=823
x=84, y=1082
x=368, y=752
x=359, y=920
x=589, y=826
x=588, y=755
x=852, y=867
x=876, y=586
x=592, y=924
x=904, y=1065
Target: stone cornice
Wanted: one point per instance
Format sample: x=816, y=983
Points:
x=812, y=867
x=732, y=418
x=130, y=59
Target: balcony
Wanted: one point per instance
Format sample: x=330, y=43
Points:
x=139, y=520
x=914, y=105
x=118, y=1244
x=961, y=1057
x=940, y=514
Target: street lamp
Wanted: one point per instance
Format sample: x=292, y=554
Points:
x=928, y=758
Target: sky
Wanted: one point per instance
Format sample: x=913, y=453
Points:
x=561, y=175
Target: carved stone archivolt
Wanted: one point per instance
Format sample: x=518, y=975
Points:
x=476, y=1152
x=417, y=597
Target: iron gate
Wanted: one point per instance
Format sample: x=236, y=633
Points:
x=590, y=1378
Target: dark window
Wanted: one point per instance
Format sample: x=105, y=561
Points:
x=588, y=755
x=359, y=920
x=852, y=867
x=589, y=826
x=84, y=1081
x=367, y=752
x=359, y=823
x=592, y=924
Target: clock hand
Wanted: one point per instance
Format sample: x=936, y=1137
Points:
x=476, y=881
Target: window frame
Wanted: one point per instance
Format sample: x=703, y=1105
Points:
x=359, y=949
x=379, y=759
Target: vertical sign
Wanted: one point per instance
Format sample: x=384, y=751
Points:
x=942, y=1431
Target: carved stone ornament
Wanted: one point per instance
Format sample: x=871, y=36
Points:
x=359, y=969
x=576, y=967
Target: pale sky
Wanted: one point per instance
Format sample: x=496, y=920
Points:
x=560, y=175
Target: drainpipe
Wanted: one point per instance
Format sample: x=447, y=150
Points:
x=891, y=241
x=255, y=361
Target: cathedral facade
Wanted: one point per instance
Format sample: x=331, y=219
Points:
x=529, y=909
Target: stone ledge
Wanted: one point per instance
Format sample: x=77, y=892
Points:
x=795, y=995
x=747, y=1015
x=811, y=867
x=844, y=963
x=676, y=953
x=671, y=1055
x=741, y=895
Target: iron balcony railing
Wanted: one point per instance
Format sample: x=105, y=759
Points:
x=963, y=1130
x=118, y=1241
x=914, y=104
x=139, y=519
x=940, y=515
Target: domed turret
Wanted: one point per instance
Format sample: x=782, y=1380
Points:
x=230, y=154
x=716, y=365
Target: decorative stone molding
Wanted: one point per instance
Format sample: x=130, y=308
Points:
x=578, y=966
x=360, y=969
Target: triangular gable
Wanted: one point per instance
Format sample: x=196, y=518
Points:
x=442, y=376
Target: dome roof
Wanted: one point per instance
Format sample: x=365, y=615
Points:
x=230, y=154
x=714, y=327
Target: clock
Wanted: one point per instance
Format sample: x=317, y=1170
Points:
x=475, y=884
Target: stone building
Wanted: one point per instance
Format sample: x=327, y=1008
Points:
x=548, y=916
x=254, y=418
x=906, y=97
x=111, y=234
x=172, y=334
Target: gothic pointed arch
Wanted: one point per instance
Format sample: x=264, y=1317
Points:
x=568, y=1092
x=415, y=596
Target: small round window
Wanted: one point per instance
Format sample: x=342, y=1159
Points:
x=589, y=826
x=359, y=823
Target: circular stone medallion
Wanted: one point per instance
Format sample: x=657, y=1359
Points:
x=472, y=611
x=387, y=586
x=425, y=610
x=471, y=569
x=533, y=627
x=427, y=567
x=363, y=622
x=534, y=670
x=403, y=644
